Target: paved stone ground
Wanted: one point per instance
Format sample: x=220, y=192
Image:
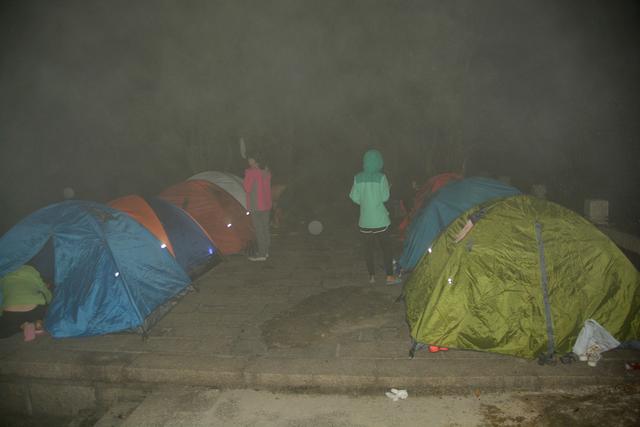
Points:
x=305, y=319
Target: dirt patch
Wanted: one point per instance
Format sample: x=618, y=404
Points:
x=612, y=406
x=326, y=315
x=617, y=406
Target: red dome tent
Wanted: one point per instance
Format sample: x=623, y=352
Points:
x=219, y=214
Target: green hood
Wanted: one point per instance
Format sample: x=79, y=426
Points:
x=372, y=161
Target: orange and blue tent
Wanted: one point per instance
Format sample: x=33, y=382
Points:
x=137, y=208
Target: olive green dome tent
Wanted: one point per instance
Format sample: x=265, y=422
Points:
x=521, y=282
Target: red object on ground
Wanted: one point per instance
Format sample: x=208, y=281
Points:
x=29, y=331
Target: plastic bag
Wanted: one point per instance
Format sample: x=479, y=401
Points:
x=395, y=394
x=593, y=335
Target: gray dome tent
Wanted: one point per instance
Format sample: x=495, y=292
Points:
x=229, y=182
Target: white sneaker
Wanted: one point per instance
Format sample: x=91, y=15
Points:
x=257, y=258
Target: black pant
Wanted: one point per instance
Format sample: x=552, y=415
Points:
x=370, y=236
x=11, y=321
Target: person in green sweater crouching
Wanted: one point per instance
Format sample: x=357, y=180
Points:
x=24, y=297
x=370, y=191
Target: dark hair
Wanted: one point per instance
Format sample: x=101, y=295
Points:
x=257, y=156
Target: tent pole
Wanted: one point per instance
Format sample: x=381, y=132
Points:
x=545, y=295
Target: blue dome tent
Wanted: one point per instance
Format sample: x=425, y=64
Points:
x=109, y=272
x=444, y=207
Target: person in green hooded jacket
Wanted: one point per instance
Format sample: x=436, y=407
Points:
x=370, y=191
x=24, y=297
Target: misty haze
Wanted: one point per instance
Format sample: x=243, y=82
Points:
x=116, y=98
x=357, y=197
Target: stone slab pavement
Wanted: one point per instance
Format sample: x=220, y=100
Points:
x=306, y=319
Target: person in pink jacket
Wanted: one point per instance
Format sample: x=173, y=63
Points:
x=257, y=185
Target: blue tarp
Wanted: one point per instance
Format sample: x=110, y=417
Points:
x=194, y=250
x=110, y=272
x=445, y=206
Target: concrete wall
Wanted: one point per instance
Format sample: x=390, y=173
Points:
x=121, y=97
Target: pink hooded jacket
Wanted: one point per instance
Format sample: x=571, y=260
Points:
x=262, y=181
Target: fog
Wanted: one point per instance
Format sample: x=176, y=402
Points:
x=118, y=97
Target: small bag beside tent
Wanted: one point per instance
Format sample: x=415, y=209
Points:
x=445, y=206
x=522, y=282
x=110, y=273
x=219, y=214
